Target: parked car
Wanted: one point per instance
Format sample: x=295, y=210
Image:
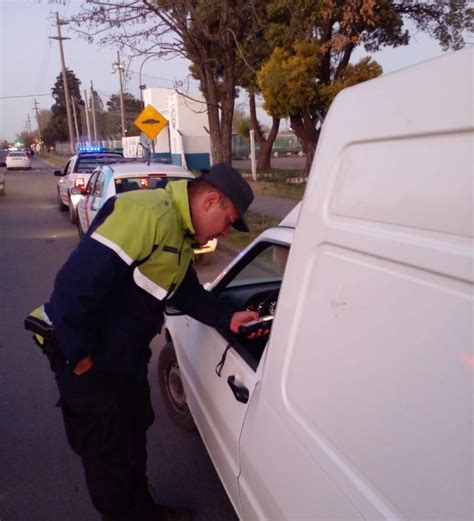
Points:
x=359, y=405
x=77, y=173
x=3, y=157
x=2, y=183
x=113, y=179
x=18, y=160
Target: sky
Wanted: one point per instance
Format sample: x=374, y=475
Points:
x=30, y=62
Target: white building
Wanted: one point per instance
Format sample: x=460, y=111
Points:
x=185, y=139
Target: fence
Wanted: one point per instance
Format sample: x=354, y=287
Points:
x=109, y=144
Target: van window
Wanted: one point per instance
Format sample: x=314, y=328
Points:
x=254, y=283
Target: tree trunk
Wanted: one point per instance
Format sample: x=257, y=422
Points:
x=212, y=104
x=264, y=158
x=266, y=144
x=305, y=130
x=227, y=114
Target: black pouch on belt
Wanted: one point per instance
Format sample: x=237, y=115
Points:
x=45, y=338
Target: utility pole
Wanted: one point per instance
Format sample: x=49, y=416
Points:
x=66, y=87
x=38, y=121
x=73, y=103
x=87, y=118
x=93, y=114
x=118, y=66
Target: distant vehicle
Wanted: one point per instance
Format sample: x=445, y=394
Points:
x=18, y=160
x=77, y=173
x=3, y=157
x=113, y=179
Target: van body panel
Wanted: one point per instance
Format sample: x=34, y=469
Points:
x=362, y=403
x=402, y=182
x=269, y=465
x=372, y=374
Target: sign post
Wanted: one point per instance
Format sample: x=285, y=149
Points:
x=151, y=123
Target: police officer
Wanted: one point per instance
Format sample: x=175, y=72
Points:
x=107, y=305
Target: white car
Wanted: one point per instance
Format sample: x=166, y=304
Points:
x=18, y=160
x=77, y=173
x=110, y=180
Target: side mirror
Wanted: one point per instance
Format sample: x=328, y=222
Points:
x=58, y=173
x=76, y=191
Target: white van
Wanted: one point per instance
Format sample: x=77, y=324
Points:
x=360, y=405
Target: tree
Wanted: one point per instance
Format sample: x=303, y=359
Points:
x=241, y=123
x=57, y=128
x=132, y=108
x=27, y=138
x=314, y=41
x=44, y=117
x=55, y=132
x=204, y=31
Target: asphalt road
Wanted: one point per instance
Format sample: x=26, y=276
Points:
x=40, y=478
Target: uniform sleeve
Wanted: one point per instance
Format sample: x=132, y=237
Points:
x=80, y=290
x=193, y=300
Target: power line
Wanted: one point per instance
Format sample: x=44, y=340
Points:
x=25, y=96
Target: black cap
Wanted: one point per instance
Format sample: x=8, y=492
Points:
x=229, y=181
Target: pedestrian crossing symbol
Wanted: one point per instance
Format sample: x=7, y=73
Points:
x=151, y=122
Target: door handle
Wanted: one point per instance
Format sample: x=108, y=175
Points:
x=241, y=392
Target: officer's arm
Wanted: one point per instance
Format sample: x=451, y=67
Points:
x=192, y=299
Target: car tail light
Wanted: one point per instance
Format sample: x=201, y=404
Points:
x=157, y=175
x=79, y=183
x=143, y=183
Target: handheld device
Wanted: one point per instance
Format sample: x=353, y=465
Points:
x=264, y=323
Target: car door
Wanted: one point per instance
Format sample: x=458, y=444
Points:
x=220, y=371
x=83, y=207
x=95, y=202
x=63, y=184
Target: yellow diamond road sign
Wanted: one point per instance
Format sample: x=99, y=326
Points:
x=151, y=122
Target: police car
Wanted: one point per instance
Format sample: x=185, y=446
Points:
x=112, y=179
x=77, y=173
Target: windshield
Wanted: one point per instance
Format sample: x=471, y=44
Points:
x=127, y=184
x=86, y=164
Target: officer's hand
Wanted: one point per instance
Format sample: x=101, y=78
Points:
x=83, y=366
x=242, y=317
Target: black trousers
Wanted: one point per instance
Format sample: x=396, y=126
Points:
x=106, y=418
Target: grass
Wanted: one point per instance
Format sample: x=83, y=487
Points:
x=280, y=189
x=257, y=223
x=276, y=185
x=53, y=159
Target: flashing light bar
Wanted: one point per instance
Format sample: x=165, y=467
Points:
x=90, y=149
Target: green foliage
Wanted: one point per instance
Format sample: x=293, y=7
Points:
x=365, y=69
x=132, y=107
x=74, y=87
x=243, y=127
x=288, y=79
x=55, y=131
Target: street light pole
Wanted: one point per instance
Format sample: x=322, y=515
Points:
x=141, y=86
x=66, y=88
x=118, y=66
